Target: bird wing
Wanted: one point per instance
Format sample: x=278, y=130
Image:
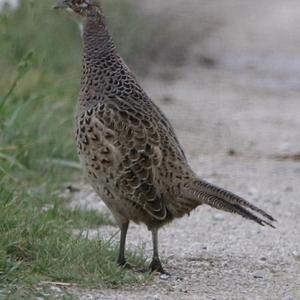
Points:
x=134, y=141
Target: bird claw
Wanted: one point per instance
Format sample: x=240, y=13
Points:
x=125, y=265
x=156, y=266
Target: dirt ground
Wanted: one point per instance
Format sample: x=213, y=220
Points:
x=238, y=120
x=244, y=139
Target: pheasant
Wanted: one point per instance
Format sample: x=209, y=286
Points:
x=128, y=148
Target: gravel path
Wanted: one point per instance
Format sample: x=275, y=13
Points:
x=246, y=139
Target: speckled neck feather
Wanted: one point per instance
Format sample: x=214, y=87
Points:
x=104, y=73
x=97, y=39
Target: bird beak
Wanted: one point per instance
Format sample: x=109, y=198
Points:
x=61, y=4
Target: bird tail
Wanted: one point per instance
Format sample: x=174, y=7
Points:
x=219, y=198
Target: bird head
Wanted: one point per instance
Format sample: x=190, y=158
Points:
x=84, y=8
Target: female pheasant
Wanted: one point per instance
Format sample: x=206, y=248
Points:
x=128, y=148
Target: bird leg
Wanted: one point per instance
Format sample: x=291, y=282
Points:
x=121, y=258
x=156, y=264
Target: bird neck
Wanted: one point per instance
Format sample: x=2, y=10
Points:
x=96, y=37
x=98, y=51
x=104, y=73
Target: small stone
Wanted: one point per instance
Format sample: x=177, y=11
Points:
x=179, y=278
x=296, y=255
x=72, y=189
x=218, y=217
x=231, y=152
x=164, y=276
x=252, y=191
x=263, y=259
x=258, y=275
x=55, y=289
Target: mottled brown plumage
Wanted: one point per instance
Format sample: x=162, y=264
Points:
x=127, y=146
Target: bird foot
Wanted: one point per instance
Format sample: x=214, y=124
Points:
x=156, y=266
x=124, y=265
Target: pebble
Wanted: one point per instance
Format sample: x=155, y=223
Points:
x=263, y=259
x=253, y=192
x=72, y=189
x=218, y=217
x=164, y=276
x=258, y=275
x=56, y=289
x=231, y=152
x=296, y=255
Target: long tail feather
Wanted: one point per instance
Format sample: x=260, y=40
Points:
x=221, y=199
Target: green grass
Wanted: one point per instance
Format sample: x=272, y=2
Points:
x=40, y=54
x=38, y=244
